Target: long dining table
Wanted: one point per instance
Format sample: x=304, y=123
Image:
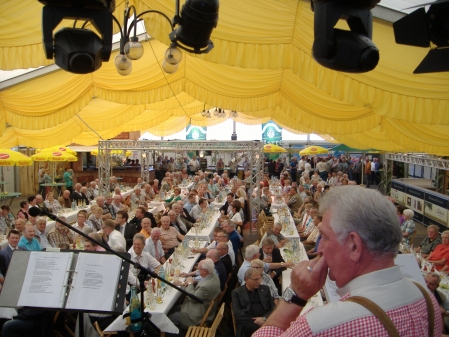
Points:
x=70, y=216
x=160, y=313
x=207, y=233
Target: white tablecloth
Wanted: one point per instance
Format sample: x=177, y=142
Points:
x=185, y=189
x=161, y=311
x=70, y=217
x=156, y=207
x=315, y=300
x=286, y=233
x=206, y=233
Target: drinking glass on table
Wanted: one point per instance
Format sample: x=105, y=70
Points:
x=159, y=295
x=268, y=258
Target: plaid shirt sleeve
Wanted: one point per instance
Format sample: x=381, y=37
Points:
x=409, y=321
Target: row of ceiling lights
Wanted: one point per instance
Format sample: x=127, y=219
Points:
x=220, y=113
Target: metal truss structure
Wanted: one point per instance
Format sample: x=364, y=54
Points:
x=388, y=176
x=419, y=159
x=252, y=149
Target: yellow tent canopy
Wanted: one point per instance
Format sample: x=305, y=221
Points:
x=261, y=68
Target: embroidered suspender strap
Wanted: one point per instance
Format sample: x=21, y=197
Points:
x=430, y=309
x=378, y=312
x=386, y=321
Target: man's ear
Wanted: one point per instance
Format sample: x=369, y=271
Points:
x=355, y=246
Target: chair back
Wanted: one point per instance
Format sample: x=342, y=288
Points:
x=97, y=327
x=220, y=296
x=233, y=321
x=228, y=278
x=217, y=321
x=206, y=314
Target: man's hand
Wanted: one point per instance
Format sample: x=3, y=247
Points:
x=258, y=320
x=186, y=274
x=307, y=283
x=443, y=311
x=177, y=283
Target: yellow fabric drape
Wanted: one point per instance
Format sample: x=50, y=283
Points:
x=261, y=66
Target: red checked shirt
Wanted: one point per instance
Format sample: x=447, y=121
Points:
x=388, y=289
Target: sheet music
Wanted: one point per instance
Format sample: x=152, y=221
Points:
x=95, y=282
x=45, y=278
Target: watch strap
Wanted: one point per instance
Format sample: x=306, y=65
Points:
x=298, y=301
x=293, y=298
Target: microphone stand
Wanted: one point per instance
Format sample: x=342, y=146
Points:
x=143, y=272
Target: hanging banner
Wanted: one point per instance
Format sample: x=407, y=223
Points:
x=271, y=133
x=194, y=132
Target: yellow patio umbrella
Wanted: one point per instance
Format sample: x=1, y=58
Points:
x=57, y=148
x=312, y=150
x=11, y=158
x=54, y=156
x=272, y=148
x=116, y=152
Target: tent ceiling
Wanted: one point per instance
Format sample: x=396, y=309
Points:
x=261, y=66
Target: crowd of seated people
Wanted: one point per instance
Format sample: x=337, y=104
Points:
x=256, y=269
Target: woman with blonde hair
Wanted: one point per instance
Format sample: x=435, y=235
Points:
x=241, y=196
x=266, y=279
x=96, y=217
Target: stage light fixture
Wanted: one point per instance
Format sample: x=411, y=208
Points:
x=195, y=24
x=81, y=51
x=420, y=29
x=342, y=50
x=78, y=50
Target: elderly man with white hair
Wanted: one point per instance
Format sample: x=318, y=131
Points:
x=139, y=255
x=92, y=191
x=207, y=288
x=117, y=203
x=154, y=246
x=408, y=226
x=139, y=183
x=60, y=234
x=39, y=234
x=137, y=198
x=106, y=211
x=78, y=195
x=361, y=262
x=252, y=253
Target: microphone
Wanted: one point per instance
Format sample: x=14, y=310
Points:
x=37, y=211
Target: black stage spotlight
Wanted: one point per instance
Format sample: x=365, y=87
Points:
x=195, y=24
x=342, y=50
x=78, y=50
x=420, y=28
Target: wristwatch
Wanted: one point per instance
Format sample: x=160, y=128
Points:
x=289, y=296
